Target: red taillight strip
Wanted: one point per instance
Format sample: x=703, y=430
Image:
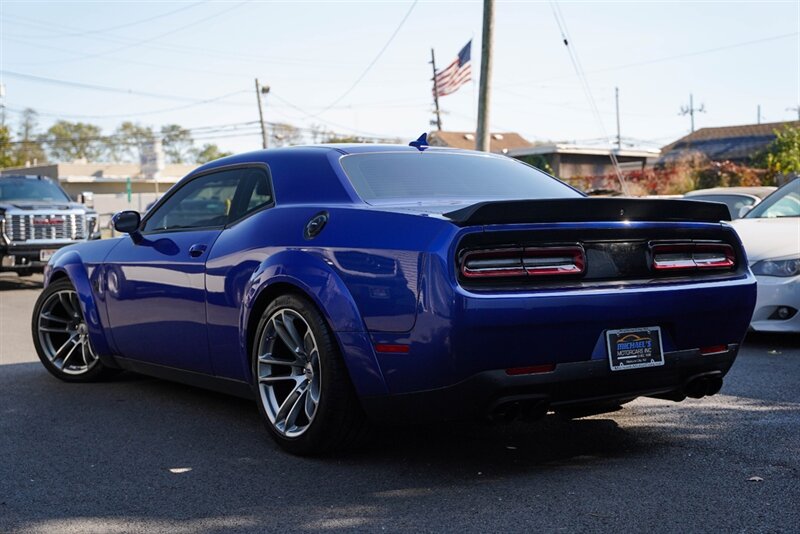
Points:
x=685, y=256
x=532, y=370
x=530, y=261
x=715, y=349
x=391, y=348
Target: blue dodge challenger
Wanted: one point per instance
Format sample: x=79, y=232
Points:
x=343, y=284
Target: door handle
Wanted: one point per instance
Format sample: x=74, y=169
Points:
x=197, y=250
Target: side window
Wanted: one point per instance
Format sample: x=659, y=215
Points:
x=201, y=203
x=255, y=192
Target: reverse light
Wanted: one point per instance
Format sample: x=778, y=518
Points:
x=521, y=262
x=691, y=256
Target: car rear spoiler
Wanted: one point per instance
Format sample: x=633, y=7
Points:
x=586, y=209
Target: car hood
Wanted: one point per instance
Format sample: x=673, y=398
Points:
x=767, y=238
x=28, y=205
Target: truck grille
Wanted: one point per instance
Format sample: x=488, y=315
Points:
x=46, y=226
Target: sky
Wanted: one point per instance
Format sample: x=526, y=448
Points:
x=362, y=68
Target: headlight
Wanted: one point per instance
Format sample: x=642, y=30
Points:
x=790, y=267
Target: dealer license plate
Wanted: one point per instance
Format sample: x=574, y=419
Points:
x=634, y=348
x=46, y=254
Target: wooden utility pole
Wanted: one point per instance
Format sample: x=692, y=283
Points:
x=438, y=113
x=691, y=110
x=619, y=136
x=259, y=90
x=483, y=138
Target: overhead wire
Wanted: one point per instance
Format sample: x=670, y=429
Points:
x=573, y=55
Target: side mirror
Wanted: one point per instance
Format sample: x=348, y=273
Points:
x=128, y=222
x=87, y=199
x=744, y=210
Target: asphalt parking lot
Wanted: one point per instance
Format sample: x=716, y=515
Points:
x=139, y=454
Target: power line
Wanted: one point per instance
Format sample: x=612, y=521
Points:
x=372, y=63
x=573, y=54
x=117, y=90
x=666, y=58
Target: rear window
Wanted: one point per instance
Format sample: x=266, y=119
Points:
x=437, y=176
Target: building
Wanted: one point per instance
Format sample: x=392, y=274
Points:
x=500, y=143
x=732, y=143
x=566, y=160
x=113, y=186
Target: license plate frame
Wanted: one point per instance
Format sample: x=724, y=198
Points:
x=46, y=253
x=635, y=348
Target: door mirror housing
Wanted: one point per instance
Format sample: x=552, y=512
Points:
x=128, y=222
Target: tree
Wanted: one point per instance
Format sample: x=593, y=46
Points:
x=7, y=152
x=783, y=154
x=285, y=134
x=209, y=152
x=177, y=142
x=69, y=141
x=129, y=141
x=29, y=149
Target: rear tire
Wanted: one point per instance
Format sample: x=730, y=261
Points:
x=304, y=391
x=61, y=337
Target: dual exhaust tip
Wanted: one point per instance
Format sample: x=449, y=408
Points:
x=703, y=387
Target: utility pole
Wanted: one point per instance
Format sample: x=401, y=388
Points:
x=259, y=91
x=438, y=121
x=2, y=104
x=691, y=110
x=758, y=118
x=483, y=137
x=797, y=109
x=619, y=136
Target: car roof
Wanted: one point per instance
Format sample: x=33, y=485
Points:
x=756, y=191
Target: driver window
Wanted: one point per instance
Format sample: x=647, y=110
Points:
x=202, y=203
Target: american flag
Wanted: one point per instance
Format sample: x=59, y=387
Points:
x=456, y=74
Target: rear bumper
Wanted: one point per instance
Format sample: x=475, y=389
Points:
x=570, y=384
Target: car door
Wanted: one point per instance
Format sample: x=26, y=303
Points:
x=156, y=296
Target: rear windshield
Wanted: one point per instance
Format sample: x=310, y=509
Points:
x=31, y=189
x=436, y=176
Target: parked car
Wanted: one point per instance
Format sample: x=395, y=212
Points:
x=739, y=200
x=771, y=236
x=37, y=218
x=338, y=285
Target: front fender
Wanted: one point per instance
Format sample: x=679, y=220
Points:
x=309, y=273
x=84, y=277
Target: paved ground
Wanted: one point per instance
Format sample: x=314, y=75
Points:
x=139, y=454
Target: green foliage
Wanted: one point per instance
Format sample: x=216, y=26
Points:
x=783, y=154
x=177, y=143
x=209, y=152
x=727, y=174
x=69, y=141
x=129, y=141
x=538, y=161
x=29, y=147
x=7, y=152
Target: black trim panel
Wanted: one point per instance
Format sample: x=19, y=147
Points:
x=191, y=378
x=588, y=210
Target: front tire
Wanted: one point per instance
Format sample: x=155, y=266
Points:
x=303, y=388
x=61, y=336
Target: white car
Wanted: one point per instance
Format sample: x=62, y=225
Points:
x=739, y=200
x=770, y=233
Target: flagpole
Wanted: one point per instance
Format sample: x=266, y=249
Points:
x=436, y=94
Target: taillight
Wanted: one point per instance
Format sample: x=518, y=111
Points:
x=520, y=262
x=691, y=256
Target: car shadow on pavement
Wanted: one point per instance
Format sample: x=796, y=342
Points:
x=10, y=282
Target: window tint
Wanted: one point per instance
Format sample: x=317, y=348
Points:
x=255, y=190
x=203, y=202
x=447, y=176
x=735, y=202
x=30, y=189
x=785, y=202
